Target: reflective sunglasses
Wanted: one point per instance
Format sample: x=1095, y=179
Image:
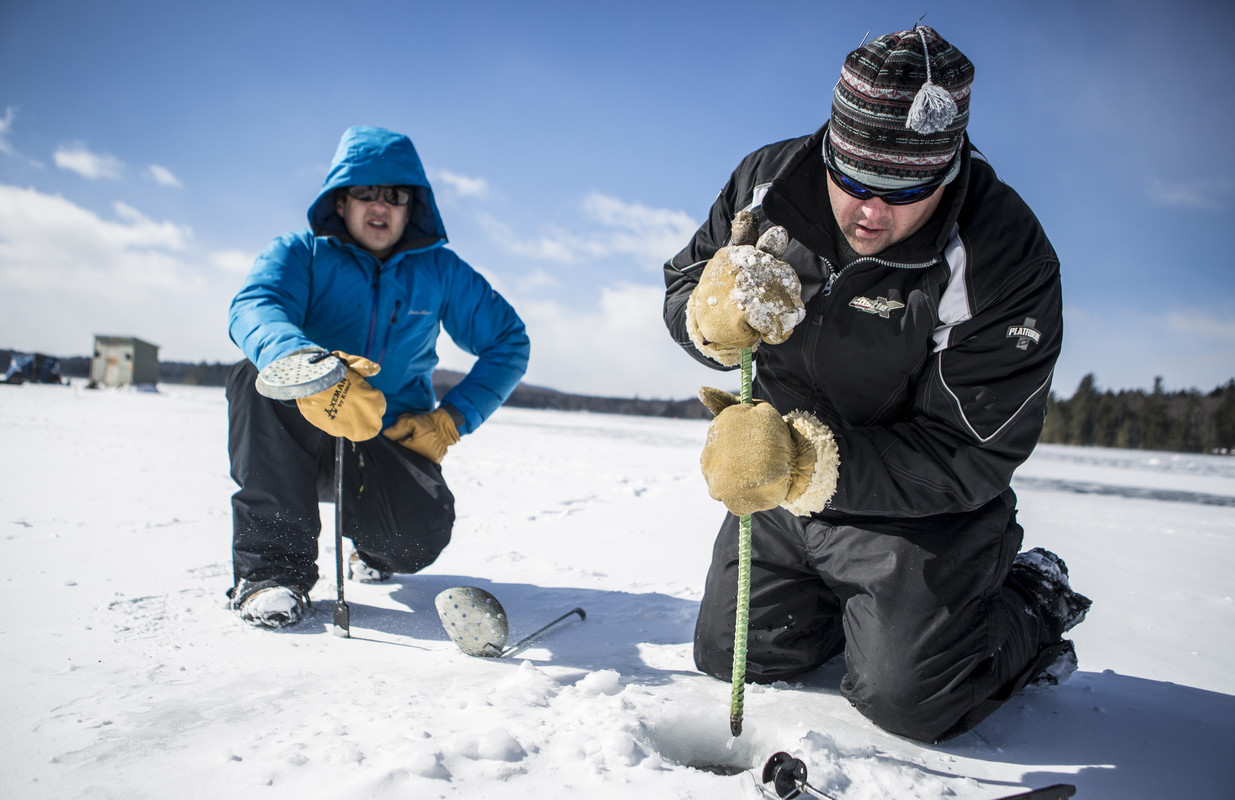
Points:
x=894, y=197
x=393, y=195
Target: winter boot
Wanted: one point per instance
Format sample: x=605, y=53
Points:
x=360, y=570
x=1043, y=578
x=266, y=604
x=1059, y=670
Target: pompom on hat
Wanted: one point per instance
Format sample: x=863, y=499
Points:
x=900, y=109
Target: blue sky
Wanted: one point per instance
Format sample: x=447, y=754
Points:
x=149, y=150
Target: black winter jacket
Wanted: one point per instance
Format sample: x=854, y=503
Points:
x=930, y=361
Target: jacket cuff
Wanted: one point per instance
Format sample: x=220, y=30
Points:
x=456, y=416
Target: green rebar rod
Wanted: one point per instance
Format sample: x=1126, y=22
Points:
x=741, y=624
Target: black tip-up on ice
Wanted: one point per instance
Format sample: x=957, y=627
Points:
x=788, y=778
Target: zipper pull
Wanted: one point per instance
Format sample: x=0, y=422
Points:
x=826, y=266
x=827, y=287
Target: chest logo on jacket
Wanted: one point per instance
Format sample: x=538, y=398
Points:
x=1025, y=333
x=880, y=305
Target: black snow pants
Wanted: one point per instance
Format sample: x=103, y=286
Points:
x=933, y=638
x=397, y=509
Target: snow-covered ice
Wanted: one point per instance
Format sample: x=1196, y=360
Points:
x=126, y=677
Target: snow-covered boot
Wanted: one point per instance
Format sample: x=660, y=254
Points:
x=360, y=570
x=269, y=605
x=1059, y=670
x=1043, y=577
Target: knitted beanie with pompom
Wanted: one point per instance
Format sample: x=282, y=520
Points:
x=900, y=109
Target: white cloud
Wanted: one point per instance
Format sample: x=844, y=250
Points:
x=536, y=280
x=49, y=244
x=1074, y=313
x=1204, y=326
x=462, y=184
x=94, y=166
x=654, y=234
x=164, y=176
x=6, y=141
x=6, y=130
x=551, y=247
x=617, y=229
x=617, y=348
x=1204, y=194
x=610, y=339
x=235, y=262
x=70, y=273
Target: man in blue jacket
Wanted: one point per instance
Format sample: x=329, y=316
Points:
x=372, y=282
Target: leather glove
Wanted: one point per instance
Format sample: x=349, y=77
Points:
x=351, y=408
x=746, y=295
x=427, y=434
x=755, y=459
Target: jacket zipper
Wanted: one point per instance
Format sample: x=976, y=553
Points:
x=833, y=274
x=368, y=347
x=394, y=318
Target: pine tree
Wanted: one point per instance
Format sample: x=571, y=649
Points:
x=1152, y=419
x=1084, y=407
x=1055, y=428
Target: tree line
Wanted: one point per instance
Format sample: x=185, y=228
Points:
x=1182, y=421
x=524, y=396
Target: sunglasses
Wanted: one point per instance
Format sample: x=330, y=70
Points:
x=894, y=197
x=393, y=195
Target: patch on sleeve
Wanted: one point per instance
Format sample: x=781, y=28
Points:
x=1025, y=333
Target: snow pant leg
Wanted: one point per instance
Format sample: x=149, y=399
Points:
x=397, y=511
x=795, y=620
x=933, y=640
x=276, y=457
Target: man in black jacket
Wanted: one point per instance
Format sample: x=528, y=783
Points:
x=904, y=344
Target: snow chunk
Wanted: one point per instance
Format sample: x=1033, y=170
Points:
x=602, y=682
x=530, y=686
x=774, y=240
x=427, y=765
x=768, y=291
x=495, y=744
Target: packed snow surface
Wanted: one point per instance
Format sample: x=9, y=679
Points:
x=127, y=677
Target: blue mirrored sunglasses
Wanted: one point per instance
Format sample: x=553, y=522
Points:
x=394, y=195
x=893, y=197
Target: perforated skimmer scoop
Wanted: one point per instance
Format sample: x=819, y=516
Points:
x=477, y=623
x=300, y=375
x=474, y=620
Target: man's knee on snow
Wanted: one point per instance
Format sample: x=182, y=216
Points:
x=410, y=556
x=714, y=661
x=765, y=663
x=901, y=702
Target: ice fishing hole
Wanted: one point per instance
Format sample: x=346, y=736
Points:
x=702, y=744
x=726, y=770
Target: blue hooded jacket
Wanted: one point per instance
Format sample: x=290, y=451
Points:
x=317, y=288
